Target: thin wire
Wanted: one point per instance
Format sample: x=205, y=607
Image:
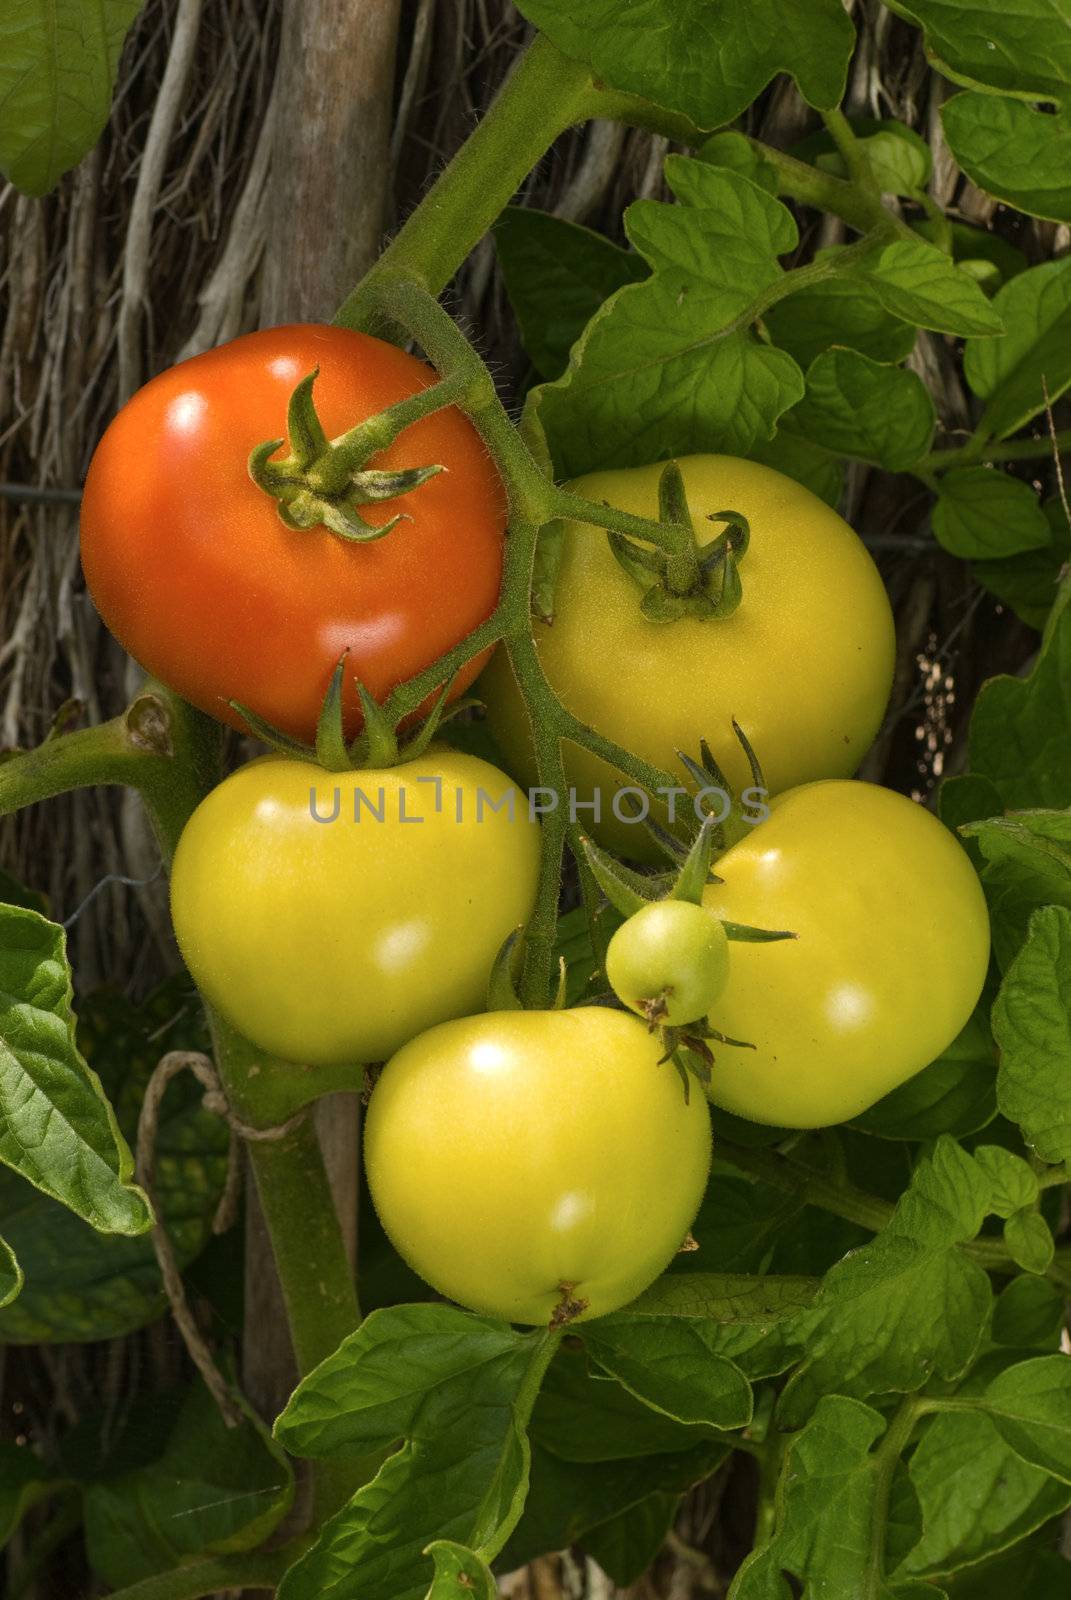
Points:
x=110, y=877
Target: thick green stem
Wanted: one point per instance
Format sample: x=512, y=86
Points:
x=855, y=1205
x=886, y=1458
x=160, y=746
x=542, y=1355
x=545, y=94
x=854, y=155
x=825, y=192
x=1008, y=450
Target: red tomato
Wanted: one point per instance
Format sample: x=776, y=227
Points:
x=196, y=575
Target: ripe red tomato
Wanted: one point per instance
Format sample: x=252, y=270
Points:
x=198, y=578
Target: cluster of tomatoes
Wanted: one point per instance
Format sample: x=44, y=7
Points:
x=529, y=1164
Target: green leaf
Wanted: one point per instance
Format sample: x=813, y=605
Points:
x=84, y=1285
x=1028, y=583
x=11, y=1277
x=859, y=408
x=459, y=1574
x=212, y=1490
x=797, y=458
x=956, y=1094
x=841, y=311
x=985, y=514
x=1029, y=1314
x=567, y=1499
x=1020, y=734
x=1013, y=1181
x=1029, y=1241
x=584, y=1416
x=56, y=1128
x=58, y=60
x=660, y=370
x=826, y=1508
x=1011, y=151
x=738, y=154
x=1029, y=1404
x=923, y=286
x=24, y=1482
x=625, y=1546
x=898, y=157
x=708, y=59
x=14, y=893
x=1032, y=1024
x=758, y=1323
x=1034, y=1572
x=1018, y=47
x=1011, y=374
x=909, y=1305
x=557, y=275
x=1028, y=864
x=414, y=1372
x=977, y=1495
x=673, y=1366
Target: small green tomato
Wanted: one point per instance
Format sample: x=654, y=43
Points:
x=669, y=962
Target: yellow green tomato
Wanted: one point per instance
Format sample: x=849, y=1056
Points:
x=524, y=1161
x=330, y=916
x=889, y=960
x=804, y=665
x=669, y=961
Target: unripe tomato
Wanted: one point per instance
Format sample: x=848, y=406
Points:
x=804, y=665
x=889, y=962
x=669, y=961
x=523, y=1157
x=192, y=569
x=330, y=941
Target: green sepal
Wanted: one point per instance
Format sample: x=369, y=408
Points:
x=672, y=497
x=627, y=891
x=373, y=484
x=699, y=776
x=503, y=992
x=274, y=738
x=308, y=441
x=377, y=744
x=695, y=874
x=658, y=605
x=758, y=778
x=743, y=933
x=322, y=482
x=332, y=751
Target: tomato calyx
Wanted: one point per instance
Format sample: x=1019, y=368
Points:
x=379, y=745
x=697, y=580
x=569, y=1307
x=323, y=481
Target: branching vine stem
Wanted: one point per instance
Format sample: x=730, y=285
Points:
x=886, y=1458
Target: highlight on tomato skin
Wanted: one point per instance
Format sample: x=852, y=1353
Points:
x=195, y=573
x=519, y=1200
x=804, y=664
x=331, y=916
x=889, y=959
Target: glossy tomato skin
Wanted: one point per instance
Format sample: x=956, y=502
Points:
x=194, y=572
x=517, y=1152
x=672, y=953
x=334, y=941
x=805, y=665
x=889, y=962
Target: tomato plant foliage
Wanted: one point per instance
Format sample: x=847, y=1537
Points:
x=873, y=1312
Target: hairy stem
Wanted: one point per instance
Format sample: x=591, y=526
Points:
x=545, y=94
